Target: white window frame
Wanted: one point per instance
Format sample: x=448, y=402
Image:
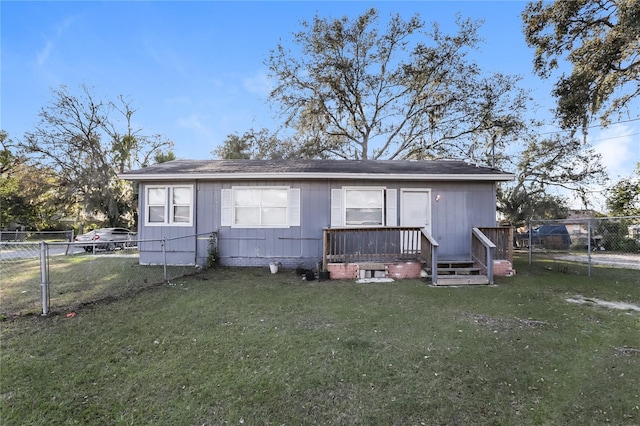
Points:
x=345, y=192
x=290, y=207
x=169, y=206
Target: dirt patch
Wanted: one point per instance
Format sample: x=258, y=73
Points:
x=628, y=351
x=580, y=300
x=504, y=323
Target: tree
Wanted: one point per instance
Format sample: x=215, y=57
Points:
x=518, y=206
x=624, y=196
x=406, y=93
x=555, y=162
x=558, y=161
x=9, y=184
x=163, y=157
x=26, y=192
x=77, y=138
x=601, y=41
x=7, y=157
x=261, y=145
x=235, y=148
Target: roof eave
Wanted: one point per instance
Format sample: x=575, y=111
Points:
x=314, y=175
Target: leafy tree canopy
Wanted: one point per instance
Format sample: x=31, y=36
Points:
x=27, y=193
x=601, y=41
x=624, y=196
x=518, y=206
x=543, y=165
x=355, y=91
x=85, y=142
x=260, y=145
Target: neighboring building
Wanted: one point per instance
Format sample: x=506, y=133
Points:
x=275, y=210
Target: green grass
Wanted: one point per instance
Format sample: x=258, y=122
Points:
x=75, y=280
x=246, y=346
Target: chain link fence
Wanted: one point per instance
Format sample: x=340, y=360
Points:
x=36, y=236
x=582, y=246
x=38, y=276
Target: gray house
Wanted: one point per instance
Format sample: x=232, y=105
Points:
x=285, y=211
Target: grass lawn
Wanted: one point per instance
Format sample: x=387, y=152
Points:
x=75, y=280
x=245, y=346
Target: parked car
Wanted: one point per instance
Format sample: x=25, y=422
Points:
x=106, y=239
x=546, y=236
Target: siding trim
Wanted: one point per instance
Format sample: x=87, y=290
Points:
x=336, y=207
x=392, y=207
x=294, y=206
x=226, y=205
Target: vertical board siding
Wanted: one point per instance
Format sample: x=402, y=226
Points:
x=180, y=246
x=297, y=245
x=461, y=206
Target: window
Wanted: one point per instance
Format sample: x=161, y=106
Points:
x=169, y=205
x=181, y=205
x=364, y=206
x=260, y=207
x=255, y=207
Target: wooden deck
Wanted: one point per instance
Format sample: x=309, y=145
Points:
x=383, y=244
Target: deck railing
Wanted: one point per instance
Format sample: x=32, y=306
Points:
x=371, y=244
x=429, y=254
x=380, y=244
x=397, y=243
x=502, y=237
x=482, y=252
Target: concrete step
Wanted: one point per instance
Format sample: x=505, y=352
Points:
x=372, y=266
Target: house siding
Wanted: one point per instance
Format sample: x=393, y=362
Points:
x=292, y=247
x=460, y=206
x=180, y=241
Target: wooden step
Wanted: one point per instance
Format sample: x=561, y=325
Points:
x=445, y=280
x=455, y=263
x=459, y=271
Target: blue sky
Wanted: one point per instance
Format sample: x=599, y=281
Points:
x=195, y=70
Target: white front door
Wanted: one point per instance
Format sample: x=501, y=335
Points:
x=415, y=210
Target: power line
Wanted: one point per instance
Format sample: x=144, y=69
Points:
x=615, y=137
x=592, y=126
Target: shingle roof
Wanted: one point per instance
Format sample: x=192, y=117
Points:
x=315, y=169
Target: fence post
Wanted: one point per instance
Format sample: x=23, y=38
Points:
x=164, y=256
x=44, y=278
x=589, y=248
x=71, y=237
x=530, y=245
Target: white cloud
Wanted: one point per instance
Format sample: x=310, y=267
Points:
x=192, y=122
x=168, y=59
x=42, y=55
x=258, y=84
x=619, y=148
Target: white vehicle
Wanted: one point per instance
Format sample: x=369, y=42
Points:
x=106, y=239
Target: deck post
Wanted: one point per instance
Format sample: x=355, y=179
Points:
x=490, y=264
x=325, y=248
x=434, y=265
